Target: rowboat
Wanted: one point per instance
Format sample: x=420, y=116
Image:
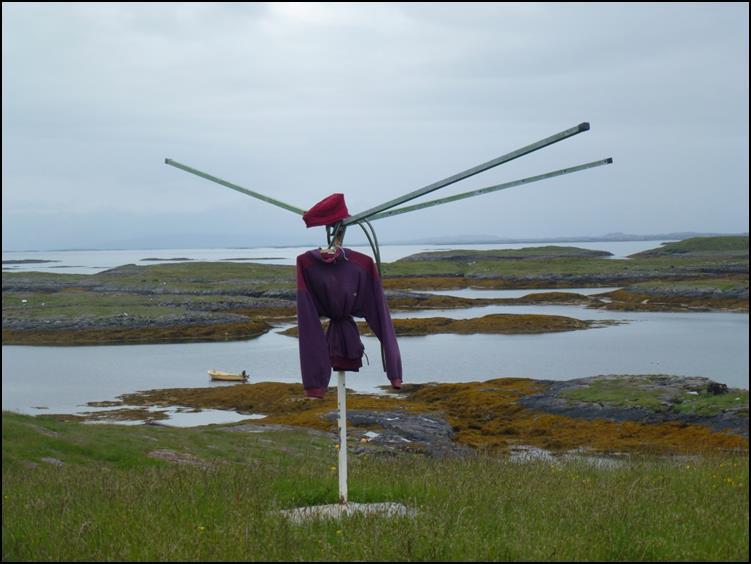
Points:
x=228, y=376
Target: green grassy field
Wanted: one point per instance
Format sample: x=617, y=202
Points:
x=719, y=285
x=651, y=268
x=113, y=498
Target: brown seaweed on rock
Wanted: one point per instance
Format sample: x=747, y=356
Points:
x=483, y=415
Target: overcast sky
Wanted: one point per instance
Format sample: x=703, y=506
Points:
x=298, y=101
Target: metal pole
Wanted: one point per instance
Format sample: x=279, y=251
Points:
x=489, y=189
x=257, y=195
x=469, y=172
x=342, y=398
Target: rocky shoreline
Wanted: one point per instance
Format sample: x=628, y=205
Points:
x=668, y=393
x=602, y=414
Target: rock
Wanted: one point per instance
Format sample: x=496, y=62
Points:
x=53, y=461
x=666, y=390
x=428, y=433
x=339, y=510
x=177, y=457
x=267, y=427
x=43, y=431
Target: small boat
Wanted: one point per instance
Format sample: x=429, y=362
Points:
x=228, y=376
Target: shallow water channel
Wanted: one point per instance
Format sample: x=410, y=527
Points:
x=62, y=379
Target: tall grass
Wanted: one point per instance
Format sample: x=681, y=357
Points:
x=483, y=507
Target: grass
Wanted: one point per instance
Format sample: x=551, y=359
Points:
x=83, y=303
x=617, y=394
x=705, y=403
x=29, y=439
x=184, y=333
x=557, y=272
x=673, y=261
x=728, y=246
x=673, y=298
x=219, y=278
x=547, y=252
x=718, y=286
x=646, y=392
x=111, y=501
x=499, y=323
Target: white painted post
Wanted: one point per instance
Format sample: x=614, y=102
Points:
x=342, y=397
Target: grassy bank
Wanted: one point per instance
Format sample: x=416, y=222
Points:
x=704, y=258
x=727, y=246
x=112, y=493
x=693, y=258
x=186, y=333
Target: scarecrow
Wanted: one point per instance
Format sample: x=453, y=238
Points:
x=341, y=283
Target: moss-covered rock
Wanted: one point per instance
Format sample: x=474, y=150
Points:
x=648, y=399
x=500, y=323
x=485, y=415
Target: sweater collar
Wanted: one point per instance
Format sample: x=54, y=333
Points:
x=329, y=257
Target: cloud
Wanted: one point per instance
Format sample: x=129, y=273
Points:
x=374, y=100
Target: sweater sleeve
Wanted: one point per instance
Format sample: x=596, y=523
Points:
x=376, y=313
x=315, y=364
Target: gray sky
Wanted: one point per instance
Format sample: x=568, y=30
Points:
x=298, y=101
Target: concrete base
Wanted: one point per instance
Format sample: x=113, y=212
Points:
x=337, y=511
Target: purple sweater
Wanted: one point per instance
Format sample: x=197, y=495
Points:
x=339, y=286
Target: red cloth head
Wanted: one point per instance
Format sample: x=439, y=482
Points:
x=329, y=210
